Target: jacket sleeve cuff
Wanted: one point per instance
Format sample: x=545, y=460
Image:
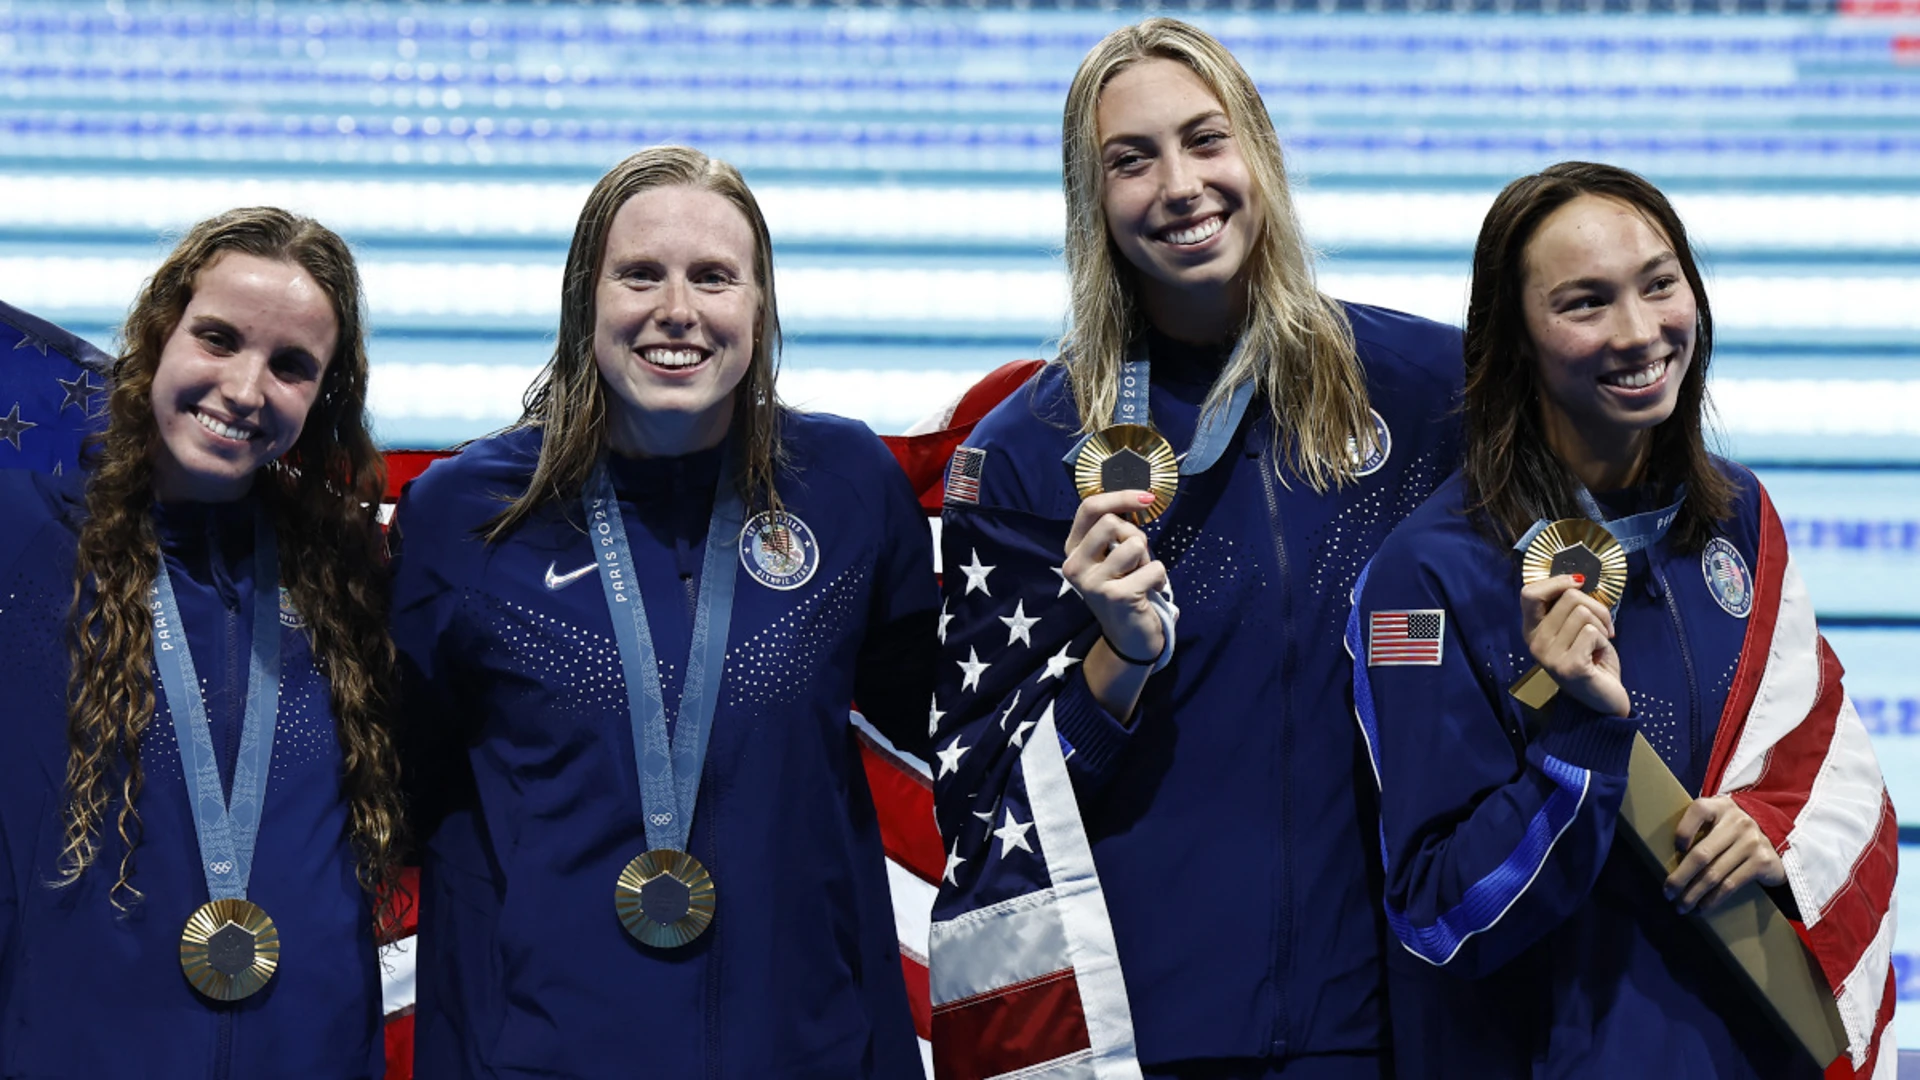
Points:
x=1093, y=736
x=1579, y=736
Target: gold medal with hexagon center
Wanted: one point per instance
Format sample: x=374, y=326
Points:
x=229, y=949
x=664, y=898
x=1128, y=457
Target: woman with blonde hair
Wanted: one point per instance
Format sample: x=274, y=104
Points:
x=633, y=625
x=1183, y=825
x=199, y=805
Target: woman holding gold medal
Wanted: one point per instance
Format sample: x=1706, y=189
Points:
x=1158, y=840
x=633, y=625
x=1592, y=537
x=198, y=800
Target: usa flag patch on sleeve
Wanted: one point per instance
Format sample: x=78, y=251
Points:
x=1404, y=638
x=963, y=476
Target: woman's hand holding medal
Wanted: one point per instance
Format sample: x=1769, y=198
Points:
x=1570, y=634
x=1109, y=564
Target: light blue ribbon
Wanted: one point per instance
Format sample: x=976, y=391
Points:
x=1210, y=437
x=226, y=826
x=669, y=765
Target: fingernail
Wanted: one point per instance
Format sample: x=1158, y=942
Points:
x=1147, y=497
x=1579, y=579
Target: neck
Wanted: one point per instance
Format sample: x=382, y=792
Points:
x=169, y=486
x=1606, y=460
x=637, y=434
x=1198, y=316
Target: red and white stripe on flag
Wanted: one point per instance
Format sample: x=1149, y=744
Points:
x=1794, y=755
x=1405, y=637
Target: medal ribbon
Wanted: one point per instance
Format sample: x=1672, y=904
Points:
x=226, y=826
x=1209, y=437
x=1635, y=532
x=669, y=765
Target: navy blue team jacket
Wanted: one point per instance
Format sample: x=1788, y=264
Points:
x=1232, y=823
x=525, y=758
x=1536, y=942
x=89, y=991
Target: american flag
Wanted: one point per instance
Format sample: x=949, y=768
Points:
x=963, y=476
x=50, y=385
x=1798, y=760
x=1405, y=637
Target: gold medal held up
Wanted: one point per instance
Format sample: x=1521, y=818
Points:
x=1128, y=457
x=1570, y=546
x=664, y=898
x=229, y=949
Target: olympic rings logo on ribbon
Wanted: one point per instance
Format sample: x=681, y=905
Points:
x=660, y=819
x=225, y=866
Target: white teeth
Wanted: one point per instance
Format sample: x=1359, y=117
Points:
x=1641, y=379
x=225, y=431
x=672, y=358
x=1197, y=233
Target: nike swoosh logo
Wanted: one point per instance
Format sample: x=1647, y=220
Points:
x=561, y=581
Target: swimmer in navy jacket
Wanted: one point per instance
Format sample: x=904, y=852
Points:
x=510, y=598
x=1159, y=854
x=1535, y=941
x=235, y=429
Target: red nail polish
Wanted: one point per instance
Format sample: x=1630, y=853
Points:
x=1579, y=579
x=1146, y=498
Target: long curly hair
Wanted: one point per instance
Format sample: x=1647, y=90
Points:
x=322, y=496
x=1300, y=352
x=568, y=400
x=1511, y=471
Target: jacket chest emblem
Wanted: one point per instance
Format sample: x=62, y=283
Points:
x=779, y=551
x=1727, y=577
x=1368, y=463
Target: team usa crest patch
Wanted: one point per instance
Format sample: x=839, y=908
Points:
x=779, y=550
x=290, y=616
x=1727, y=577
x=1406, y=638
x=1368, y=464
x=963, y=476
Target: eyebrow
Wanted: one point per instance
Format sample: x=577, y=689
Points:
x=1189, y=125
x=1595, y=283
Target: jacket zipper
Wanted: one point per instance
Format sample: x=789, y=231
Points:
x=1686, y=660
x=223, y=1047
x=1283, y=910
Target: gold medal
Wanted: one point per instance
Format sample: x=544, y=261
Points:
x=1570, y=546
x=229, y=949
x=664, y=898
x=1128, y=457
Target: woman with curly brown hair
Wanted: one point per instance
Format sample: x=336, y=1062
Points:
x=198, y=798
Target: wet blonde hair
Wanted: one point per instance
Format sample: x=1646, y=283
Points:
x=569, y=398
x=1299, y=346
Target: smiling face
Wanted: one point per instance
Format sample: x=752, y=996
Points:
x=1613, y=324
x=238, y=375
x=675, y=311
x=1178, y=196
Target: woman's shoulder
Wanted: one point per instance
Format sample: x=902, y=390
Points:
x=1443, y=542
x=1012, y=458
x=1395, y=341
x=480, y=475
x=36, y=503
x=841, y=444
